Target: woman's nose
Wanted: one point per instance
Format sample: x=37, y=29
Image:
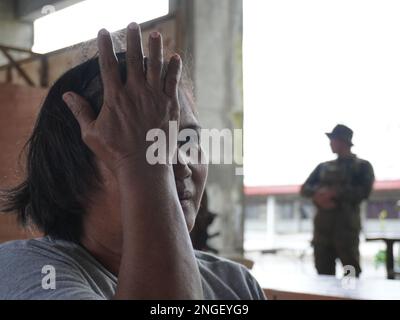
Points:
x=181, y=168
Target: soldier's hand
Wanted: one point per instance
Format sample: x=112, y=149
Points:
x=324, y=198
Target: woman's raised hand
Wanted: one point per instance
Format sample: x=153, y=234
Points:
x=145, y=101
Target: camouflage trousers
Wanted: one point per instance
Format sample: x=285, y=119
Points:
x=325, y=256
x=336, y=236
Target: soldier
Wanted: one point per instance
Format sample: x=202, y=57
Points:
x=337, y=188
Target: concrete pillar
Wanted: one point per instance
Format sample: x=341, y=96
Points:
x=18, y=111
x=210, y=40
x=297, y=214
x=270, y=221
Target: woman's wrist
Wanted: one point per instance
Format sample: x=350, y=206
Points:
x=144, y=172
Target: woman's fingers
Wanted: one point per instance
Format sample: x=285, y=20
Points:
x=80, y=108
x=155, y=60
x=173, y=76
x=134, y=55
x=108, y=64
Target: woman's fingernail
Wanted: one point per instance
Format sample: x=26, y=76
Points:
x=103, y=32
x=155, y=34
x=67, y=97
x=133, y=26
x=176, y=56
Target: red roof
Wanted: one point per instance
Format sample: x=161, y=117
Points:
x=294, y=189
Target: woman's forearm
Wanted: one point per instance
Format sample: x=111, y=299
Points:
x=158, y=261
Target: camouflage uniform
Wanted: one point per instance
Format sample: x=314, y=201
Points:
x=336, y=231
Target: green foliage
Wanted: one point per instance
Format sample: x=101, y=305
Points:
x=380, y=258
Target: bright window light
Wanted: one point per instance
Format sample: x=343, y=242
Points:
x=309, y=65
x=82, y=21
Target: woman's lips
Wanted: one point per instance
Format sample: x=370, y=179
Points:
x=185, y=199
x=185, y=195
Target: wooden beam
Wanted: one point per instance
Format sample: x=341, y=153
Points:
x=44, y=72
x=17, y=66
x=2, y=47
x=9, y=75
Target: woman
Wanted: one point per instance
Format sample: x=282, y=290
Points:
x=115, y=226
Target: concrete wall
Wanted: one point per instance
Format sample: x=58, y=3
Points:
x=18, y=109
x=211, y=40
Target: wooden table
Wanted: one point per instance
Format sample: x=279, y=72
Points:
x=389, y=239
x=321, y=287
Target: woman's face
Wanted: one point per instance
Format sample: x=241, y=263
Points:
x=190, y=174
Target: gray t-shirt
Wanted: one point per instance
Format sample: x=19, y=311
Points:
x=30, y=269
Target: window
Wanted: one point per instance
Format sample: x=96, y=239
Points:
x=309, y=65
x=83, y=20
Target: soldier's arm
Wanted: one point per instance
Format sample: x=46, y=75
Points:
x=361, y=188
x=312, y=183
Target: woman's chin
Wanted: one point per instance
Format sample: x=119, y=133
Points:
x=189, y=212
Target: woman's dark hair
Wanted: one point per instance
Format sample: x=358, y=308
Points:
x=61, y=171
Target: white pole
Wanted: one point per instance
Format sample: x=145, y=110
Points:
x=270, y=220
x=297, y=215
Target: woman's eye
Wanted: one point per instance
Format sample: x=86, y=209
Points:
x=189, y=140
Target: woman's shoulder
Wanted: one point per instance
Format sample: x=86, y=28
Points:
x=229, y=262
x=44, y=247
x=21, y=266
x=220, y=265
x=30, y=256
x=16, y=247
x=48, y=251
x=26, y=264
x=226, y=279
x=210, y=258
